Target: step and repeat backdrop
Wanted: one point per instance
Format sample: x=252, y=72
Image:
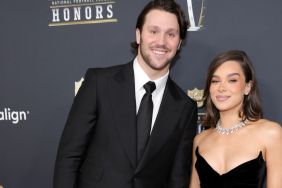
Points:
x=46, y=47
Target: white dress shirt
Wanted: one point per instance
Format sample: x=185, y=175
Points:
x=141, y=78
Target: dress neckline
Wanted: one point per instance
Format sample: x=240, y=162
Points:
x=258, y=158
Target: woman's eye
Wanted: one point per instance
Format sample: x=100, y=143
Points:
x=214, y=81
x=233, y=80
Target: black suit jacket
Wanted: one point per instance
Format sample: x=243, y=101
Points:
x=98, y=145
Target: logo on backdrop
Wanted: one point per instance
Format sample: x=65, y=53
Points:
x=76, y=12
x=197, y=9
x=13, y=116
x=198, y=96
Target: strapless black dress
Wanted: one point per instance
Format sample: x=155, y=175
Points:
x=250, y=174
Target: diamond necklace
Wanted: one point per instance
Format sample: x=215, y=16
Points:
x=227, y=131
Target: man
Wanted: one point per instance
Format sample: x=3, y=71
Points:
x=105, y=143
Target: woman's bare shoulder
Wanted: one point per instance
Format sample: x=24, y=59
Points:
x=270, y=130
x=203, y=135
x=268, y=126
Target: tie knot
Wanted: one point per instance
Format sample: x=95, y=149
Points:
x=150, y=87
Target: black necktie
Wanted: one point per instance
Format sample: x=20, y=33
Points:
x=144, y=119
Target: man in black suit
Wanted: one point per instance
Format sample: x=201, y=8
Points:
x=100, y=146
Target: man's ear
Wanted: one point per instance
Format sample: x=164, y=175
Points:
x=138, y=36
x=179, y=45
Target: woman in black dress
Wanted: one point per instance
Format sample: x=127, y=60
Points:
x=241, y=148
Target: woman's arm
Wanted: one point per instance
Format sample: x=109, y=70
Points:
x=273, y=137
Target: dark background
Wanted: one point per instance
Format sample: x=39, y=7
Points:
x=40, y=64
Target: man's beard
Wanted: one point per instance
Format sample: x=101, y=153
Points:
x=148, y=60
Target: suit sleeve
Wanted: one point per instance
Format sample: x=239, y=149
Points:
x=181, y=170
x=76, y=134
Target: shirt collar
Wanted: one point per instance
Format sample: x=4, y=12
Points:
x=142, y=78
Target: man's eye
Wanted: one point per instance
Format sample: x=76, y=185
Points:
x=171, y=35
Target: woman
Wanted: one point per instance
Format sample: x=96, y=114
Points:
x=240, y=148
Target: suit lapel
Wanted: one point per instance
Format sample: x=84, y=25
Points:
x=169, y=112
x=124, y=107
